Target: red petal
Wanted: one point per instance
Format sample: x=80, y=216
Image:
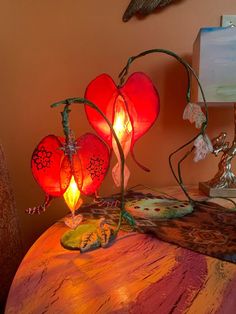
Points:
x=142, y=102
x=94, y=160
x=141, y=99
x=46, y=164
x=103, y=92
x=65, y=173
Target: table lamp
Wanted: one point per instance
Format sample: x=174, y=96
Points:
x=214, y=60
x=132, y=108
x=120, y=114
x=69, y=167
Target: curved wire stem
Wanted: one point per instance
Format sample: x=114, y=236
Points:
x=68, y=102
x=209, y=200
x=65, y=121
x=189, y=71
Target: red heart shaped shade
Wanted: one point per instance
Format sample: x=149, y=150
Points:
x=132, y=110
x=61, y=174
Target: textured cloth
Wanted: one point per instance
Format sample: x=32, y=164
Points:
x=210, y=229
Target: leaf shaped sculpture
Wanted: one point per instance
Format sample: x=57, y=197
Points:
x=89, y=241
x=105, y=234
x=143, y=7
x=89, y=236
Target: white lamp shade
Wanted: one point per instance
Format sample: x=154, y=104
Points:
x=214, y=60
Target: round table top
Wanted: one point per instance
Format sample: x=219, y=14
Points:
x=137, y=274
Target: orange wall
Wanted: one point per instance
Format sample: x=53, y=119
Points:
x=51, y=50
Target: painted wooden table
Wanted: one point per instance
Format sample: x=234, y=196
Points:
x=138, y=274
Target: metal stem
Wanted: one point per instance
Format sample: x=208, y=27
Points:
x=189, y=70
x=84, y=101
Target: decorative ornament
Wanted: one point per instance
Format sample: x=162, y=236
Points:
x=224, y=178
x=203, y=147
x=194, y=114
x=132, y=108
x=143, y=7
x=89, y=236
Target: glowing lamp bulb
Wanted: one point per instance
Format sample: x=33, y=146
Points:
x=72, y=195
x=123, y=128
x=118, y=125
x=121, y=124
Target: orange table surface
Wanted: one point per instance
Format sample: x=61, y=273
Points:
x=137, y=274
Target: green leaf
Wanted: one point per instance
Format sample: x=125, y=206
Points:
x=71, y=240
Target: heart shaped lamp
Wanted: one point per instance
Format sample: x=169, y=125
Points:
x=69, y=168
x=132, y=109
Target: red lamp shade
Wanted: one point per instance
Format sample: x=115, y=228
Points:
x=53, y=169
x=132, y=109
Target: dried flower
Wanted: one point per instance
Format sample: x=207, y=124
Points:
x=203, y=147
x=193, y=113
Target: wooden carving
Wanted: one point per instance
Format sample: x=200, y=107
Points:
x=143, y=7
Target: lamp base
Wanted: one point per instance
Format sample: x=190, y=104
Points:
x=216, y=192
